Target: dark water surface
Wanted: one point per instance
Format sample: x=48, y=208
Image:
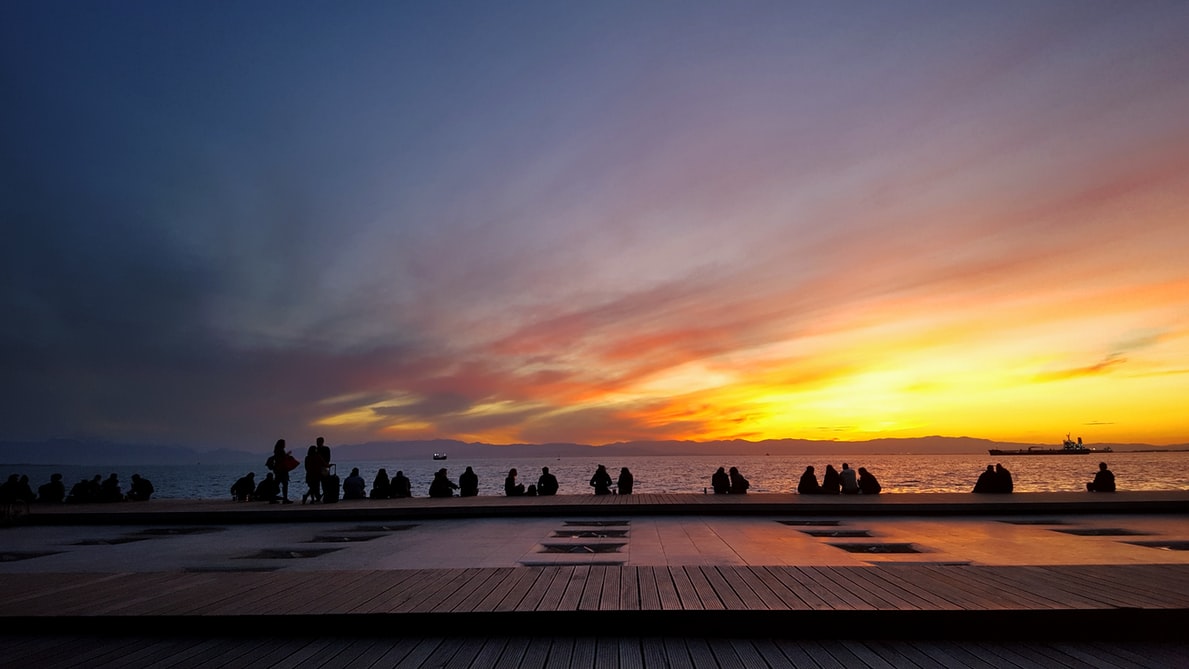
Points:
x=678, y=474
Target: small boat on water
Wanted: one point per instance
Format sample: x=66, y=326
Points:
x=439, y=456
x=1068, y=447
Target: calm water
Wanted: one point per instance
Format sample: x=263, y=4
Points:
x=897, y=473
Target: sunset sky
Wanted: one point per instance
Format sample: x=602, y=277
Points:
x=231, y=222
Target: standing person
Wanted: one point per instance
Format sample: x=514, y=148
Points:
x=1104, y=479
x=720, y=482
x=808, y=484
x=316, y=468
x=546, y=483
x=626, y=481
x=323, y=450
x=442, y=486
x=468, y=483
x=401, y=486
x=601, y=481
x=868, y=484
x=849, y=480
x=354, y=485
x=831, y=481
x=381, y=486
x=278, y=463
x=511, y=487
x=739, y=485
x=1003, y=482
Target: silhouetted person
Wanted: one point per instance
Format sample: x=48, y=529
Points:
x=850, y=480
x=323, y=450
x=111, y=491
x=720, y=482
x=468, y=483
x=278, y=464
x=268, y=490
x=546, y=483
x=9, y=490
x=141, y=489
x=868, y=484
x=401, y=486
x=24, y=490
x=80, y=493
x=986, y=481
x=243, y=489
x=442, y=486
x=1104, y=479
x=53, y=492
x=808, y=484
x=739, y=485
x=354, y=485
x=511, y=487
x=1003, y=482
x=316, y=467
x=601, y=481
x=626, y=481
x=381, y=486
x=831, y=481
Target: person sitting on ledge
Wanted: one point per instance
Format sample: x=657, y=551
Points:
x=808, y=484
x=739, y=485
x=831, y=481
x=381, y=486
x=442, y=486
x=110, y=490
x=868, y=484
x=986, y=481
x=468, y=483
x=53, y=492
x=626, y=482
x=850, y=480
x=141, y=490
x=511, y=487
x=1104, y=480
x=241, y=490
x=720, y=482
x=546, y=483
x=401, y=486
x=353, y=485
x=601, y=481
x=1003, y=482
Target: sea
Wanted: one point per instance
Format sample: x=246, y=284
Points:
x=898, y=473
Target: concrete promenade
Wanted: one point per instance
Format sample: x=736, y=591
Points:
x=1038, y=579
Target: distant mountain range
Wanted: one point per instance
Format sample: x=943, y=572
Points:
x=79, y=452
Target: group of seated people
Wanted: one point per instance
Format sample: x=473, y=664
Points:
x=845, y=482
x=996, y=479
x=96, y=489
x=729, y=483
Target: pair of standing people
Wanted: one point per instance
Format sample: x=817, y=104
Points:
x=317, y=466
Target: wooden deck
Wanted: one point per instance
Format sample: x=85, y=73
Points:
x=886, y=602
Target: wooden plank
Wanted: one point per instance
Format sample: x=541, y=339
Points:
x=807, y=596
x=676, y=653
x=954, y=654
x=816, y=580
x=629, y=589
x=561, y=652
x=652, y=649
x=725, y=654
x=583, y=654
x=394, y=654
x=722, y=589
x=477, y=652
x=592, y=593
x=417, y=655
x=609, y=601
x=666, y=589
x=573, y=591
x=388, y=583
x=902, y=579
x=883, y=595
x=701, y=657
x=757, y=580
x=551, y=601
x=460, y=593
x=706, y=594
x=538, y=589
x=691, y=600
x=507, y=581
x=650, y=598
x=1029, y=589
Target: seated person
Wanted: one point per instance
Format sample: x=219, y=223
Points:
x=511, y=487
x=849, y=479
x=1104, y=480
x=354, y=485
x=268, y=490
x=720, y=482
x=53, y=492
x=141, y=490
x=546, y=483
x=401, y=486
x=241, y=490
x=986, y=481
x=739, y=484
x=442, y=486
x=468, y=483
x=808, y=484
x=868, y=484
x=110, y=490
x=381, y=486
